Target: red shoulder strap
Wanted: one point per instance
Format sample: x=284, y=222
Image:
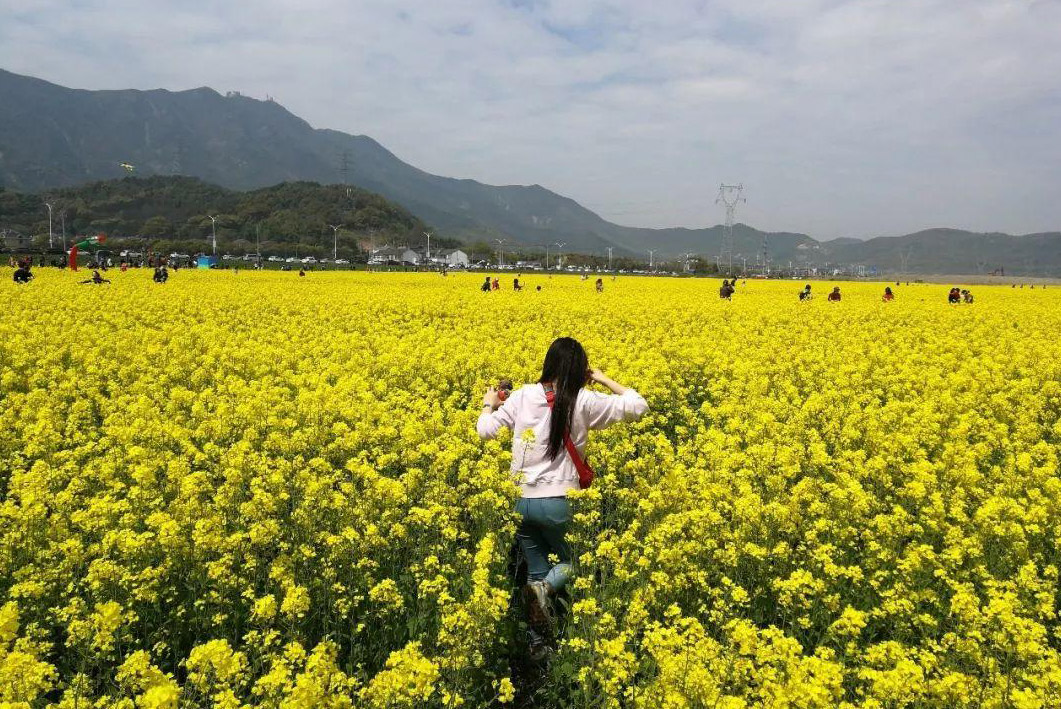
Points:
x=585, y=473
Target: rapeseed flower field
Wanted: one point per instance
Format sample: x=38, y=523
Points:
x=254, y=489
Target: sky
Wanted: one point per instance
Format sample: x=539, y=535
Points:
x=853, y=118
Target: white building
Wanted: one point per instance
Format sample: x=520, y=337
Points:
x=394, y=254
x=454, y=257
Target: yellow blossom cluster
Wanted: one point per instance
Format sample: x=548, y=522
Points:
x=255, y=489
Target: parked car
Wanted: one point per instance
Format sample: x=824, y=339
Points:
x=275, y=259
x=290, y=259
x=309, y=259
x=341, y=261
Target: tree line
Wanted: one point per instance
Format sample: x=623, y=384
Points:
x=174, y=213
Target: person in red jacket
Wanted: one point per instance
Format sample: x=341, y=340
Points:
x=834, y=297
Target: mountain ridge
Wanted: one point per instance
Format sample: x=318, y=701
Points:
x=52, y=136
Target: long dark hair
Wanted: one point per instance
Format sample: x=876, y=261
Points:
x=566, y=365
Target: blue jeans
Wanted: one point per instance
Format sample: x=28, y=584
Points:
x=541, y=531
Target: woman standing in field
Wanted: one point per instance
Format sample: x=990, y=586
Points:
x=550, y=423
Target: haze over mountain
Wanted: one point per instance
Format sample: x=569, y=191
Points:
x=51, y=136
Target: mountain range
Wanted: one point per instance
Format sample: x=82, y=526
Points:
x=52, y=137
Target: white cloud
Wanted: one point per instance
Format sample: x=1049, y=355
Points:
x=840, y=116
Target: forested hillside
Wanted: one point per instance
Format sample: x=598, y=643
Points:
x=177, y=210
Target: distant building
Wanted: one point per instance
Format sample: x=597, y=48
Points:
x=454, y=257
x=394, y=254
x=450, y=257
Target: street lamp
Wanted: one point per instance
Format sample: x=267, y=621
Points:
x=49, y=206
x=213, y=231
x=428, y=235
x=335, y=240
x=559, y=248
x=651, y=254
x=500, y=251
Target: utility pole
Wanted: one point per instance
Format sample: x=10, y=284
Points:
x=62, y=218
x=547, y=257
x=687, y=258
x=213, y=231
x=500, y=252
x=609, y=258
x=428, y=235
x=729, y=196
x=651, y=255
x=49, y=206
x=335, y=240
x=559, y=252
x=258, y=242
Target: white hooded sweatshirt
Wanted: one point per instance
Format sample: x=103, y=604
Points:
x=528, y=414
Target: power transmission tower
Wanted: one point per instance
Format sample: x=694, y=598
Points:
x=178, y=157
x=344, y=169
x=904, y=259
x=730, y=196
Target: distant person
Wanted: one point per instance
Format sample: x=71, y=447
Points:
x=888, y=296
x=539, y=289
x=97, y=279
x=495, y=284
x=600, y=285
x=301, y=273
x=805, y=293
x=157, y=276
x=726, y=291
x=23, y=275
x=834, y=297
x=516, y=285
x=967, y=296
x=485, y=287
x=954, y=296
